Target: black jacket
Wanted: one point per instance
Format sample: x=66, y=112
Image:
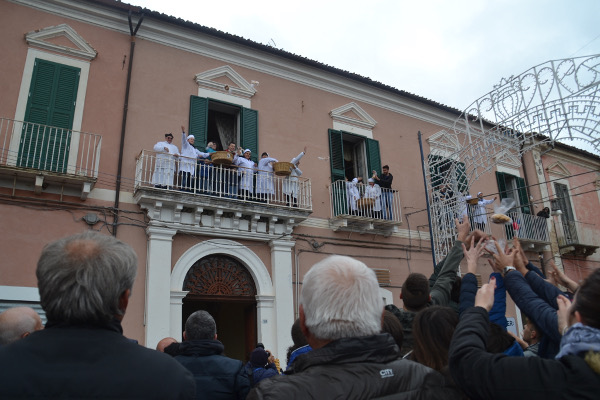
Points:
x=82, y=362
x=217, y=377
x=353, y=368
x=482, y=375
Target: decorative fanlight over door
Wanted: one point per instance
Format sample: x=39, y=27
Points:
x=219, y=275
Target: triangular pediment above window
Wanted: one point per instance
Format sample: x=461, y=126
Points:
x=61, y=39
x=558, y=169
x=353, y=114
x=226, y=79
x=508, y=158
x=444, y=142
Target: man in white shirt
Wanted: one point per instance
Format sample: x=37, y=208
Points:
x=164, y=169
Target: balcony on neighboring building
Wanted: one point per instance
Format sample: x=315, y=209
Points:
x=218, y=199
x=531, y=230
x=357, y=208
x=46, y=158
x=576, y=238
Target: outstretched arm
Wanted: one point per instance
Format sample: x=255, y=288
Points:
x=440, y=293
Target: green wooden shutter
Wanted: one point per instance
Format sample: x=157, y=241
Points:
x=199, y=121
x=336, y=155
x=249, y=134
x=338, y=172
x=51, y=103
x=523, y=196
x=373, y=157
x=501, y=184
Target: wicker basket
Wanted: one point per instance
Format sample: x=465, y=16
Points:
x=365, y=204
x=283, y=168
x=221, y=157
x=473, y=201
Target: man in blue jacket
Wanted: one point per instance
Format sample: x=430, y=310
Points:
x=217, y=377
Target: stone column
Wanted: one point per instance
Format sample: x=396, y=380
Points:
x=281, y=273
x=158, y=281
x=176, y=322
x=266, y=324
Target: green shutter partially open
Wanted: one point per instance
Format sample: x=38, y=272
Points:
x=51, y=104
x=336, y=155
x=249, y=133
x=523, y=196
x=373, y=157
x=199, y=121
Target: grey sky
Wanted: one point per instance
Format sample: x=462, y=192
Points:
x=449, y=51
x=452, y=52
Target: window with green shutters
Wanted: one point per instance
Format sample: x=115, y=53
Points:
x=46, y=135
x=352, y=155
x=514, y=187
x=202, y=112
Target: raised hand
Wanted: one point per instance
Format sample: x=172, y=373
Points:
x=485, y=295
x=473, y=254
x=563, y=314
x=463, y=228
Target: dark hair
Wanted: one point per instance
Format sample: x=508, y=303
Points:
x=587, y=300
x=264, y=154
x=297, y=337
x=415, y=291
x=393, y=326
x=433, y=328
x=385, y=167
x=498, y=339
x=534, y=327
x=200, y=325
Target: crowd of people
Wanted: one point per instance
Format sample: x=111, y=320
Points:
x=237, y=177
x=449, y=341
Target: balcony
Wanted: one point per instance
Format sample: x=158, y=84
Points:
x=217, y=201
x=41, y=157
x=352, y=210
x=576, y=238
x=531, y=230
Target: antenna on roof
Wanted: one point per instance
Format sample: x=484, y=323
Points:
x=273, y=43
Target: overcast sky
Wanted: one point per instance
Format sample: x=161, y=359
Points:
x=449, y=51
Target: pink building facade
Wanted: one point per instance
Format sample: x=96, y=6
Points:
x=86, y=95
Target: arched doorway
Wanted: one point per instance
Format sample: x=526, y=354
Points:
x=221, y=285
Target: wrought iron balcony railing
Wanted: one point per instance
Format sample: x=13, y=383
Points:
x=27, y=145
x=160, y=172
x=358, y=201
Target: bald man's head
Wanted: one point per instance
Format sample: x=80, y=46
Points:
x=166, y=342
x=17, y=323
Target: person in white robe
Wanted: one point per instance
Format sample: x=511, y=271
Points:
x=264, y=177
x=352, y=194
x=246, y=168
x=164, y=169
x=290, y=184
x=373, y=191
x=480, y=217
x=188, y=161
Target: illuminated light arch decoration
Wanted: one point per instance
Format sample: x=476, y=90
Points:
x=556, y=101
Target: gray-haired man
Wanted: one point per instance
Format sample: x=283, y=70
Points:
x=85, y=282
x=341, y=315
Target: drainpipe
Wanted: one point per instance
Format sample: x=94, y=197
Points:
x=132, y=33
